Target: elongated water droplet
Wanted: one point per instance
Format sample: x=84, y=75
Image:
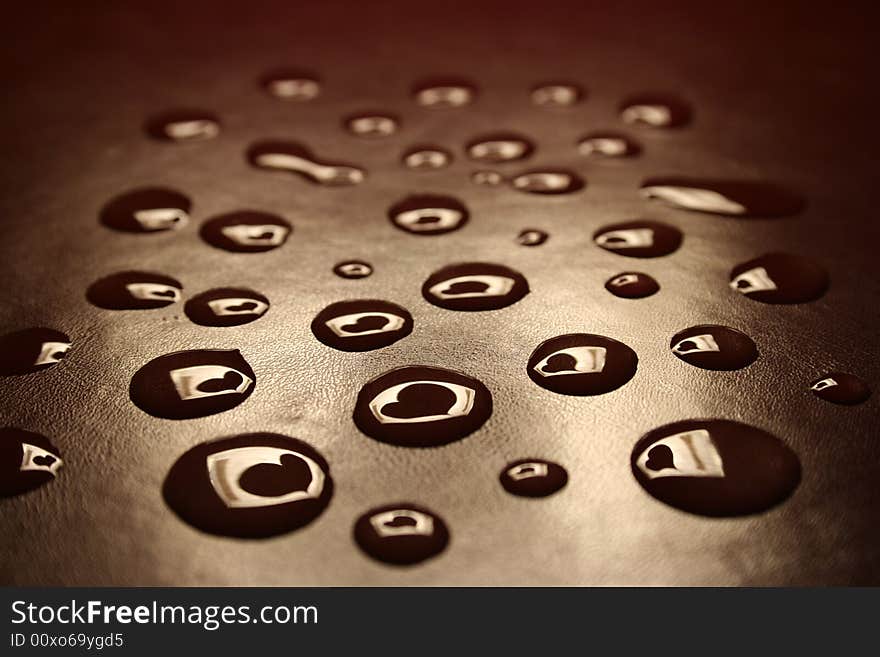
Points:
x=295, y=158
x=183, y=125
x=733, y=198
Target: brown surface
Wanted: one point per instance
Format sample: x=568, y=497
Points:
x=776, y=95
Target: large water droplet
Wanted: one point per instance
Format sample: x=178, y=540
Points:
x=134, y=290
x=427, y=214
x=296, y=85
x=533, y=478
x=31, y=350
x=27, y=461
x=444, y=92
x=227, y=306
x=632, y=285
x=147, y=210
x=499, y=147
x=401, y=533
x=362, y=324
x=475, y=286
x=295, y=158
x=780, y=278
x=639, y=239
x=582, y=364
x=183, y=125
x=714, y=347
x=715, y=467
x=735, y=198
x=246, y=231
x=655, y=111
x=841, y=388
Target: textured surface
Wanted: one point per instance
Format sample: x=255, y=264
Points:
x=776, y=96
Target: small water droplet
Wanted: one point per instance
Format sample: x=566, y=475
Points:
x=246, y=231
x=639, y=239
x=31, y=350
x=714, y=347
x=190, y=384
x=499, y=147
x=183, y=125
x=227, y=306
x=372, y=124
x=295, y=158
x=488, y=178
x=557, y=94
x=249, y=486
x=715, y=467
x=841, y=388
x=134, y=290
x=632, y=285
x=362, y=324
x=780, y=278
x=427, y=214
x=582, y=364
x=147, y=210
x=401, y=533
x=475, y=286
x=655, y=111
x=426, y=157
x=27, y=461
x=608, y=145
x=292, y=84
x=548, y=181
x=533, y=478
x=531, y=237
x=422, y=406
x=353, y=269
x=444, y=92
x=735, y=198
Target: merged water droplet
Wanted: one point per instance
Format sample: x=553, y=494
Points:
x=362, y=324
x=27, y=461
x=293, y=157
x=735, y=198
x=582, y=364
x=533, y=478
x=372, y=124
x=557, y=94
x=841, y=388
x=147, y=210
x=426, y=157
x=31, y=350
x=715, y=467
x=246, y=231
x=531, y=237
x=780, y=278
x=249, y=486
x=474, y=286
x=353, y=269
x=226, y=306
x=632, y=285
x=401, y=534
x=714, y=347
x=190, y=384
x=183, y=125
x=608, y=145
x=427, y=214
x=499, y=147
x=296, y=85
x=444, y=92
x=134, y=290
x=547, y=181
x=656, y=111
x=639, y=239
x=422, y=406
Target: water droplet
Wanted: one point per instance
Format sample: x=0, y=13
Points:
x=372, y=124
x=183, y=125
x=499, y=147
x=548, y=181
x=715, y=467
x=249, y=486
x=557, y=94
x=632, y=285
x=425, y=157
x=608, y=145
x=426, y=214
x=134, y=290
x=488, y=178
x=246, y=231
x=532, y=237
x=734, y=198
x=639, y=239
x=533, y=478
x=292, y=84
x=401, y=534
x=841, y=388
x=227, y=306
x=474, y=286
x=714, y=347
x=655, y=111
x=780, y=278
x=362, y=324
x=190, y=384
x=147, y=210
x=353, y=269
x=31, y=350
x=582, y=364
x=422, y=406
x=27, y=461
x=295, y=158
x=445, y=92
